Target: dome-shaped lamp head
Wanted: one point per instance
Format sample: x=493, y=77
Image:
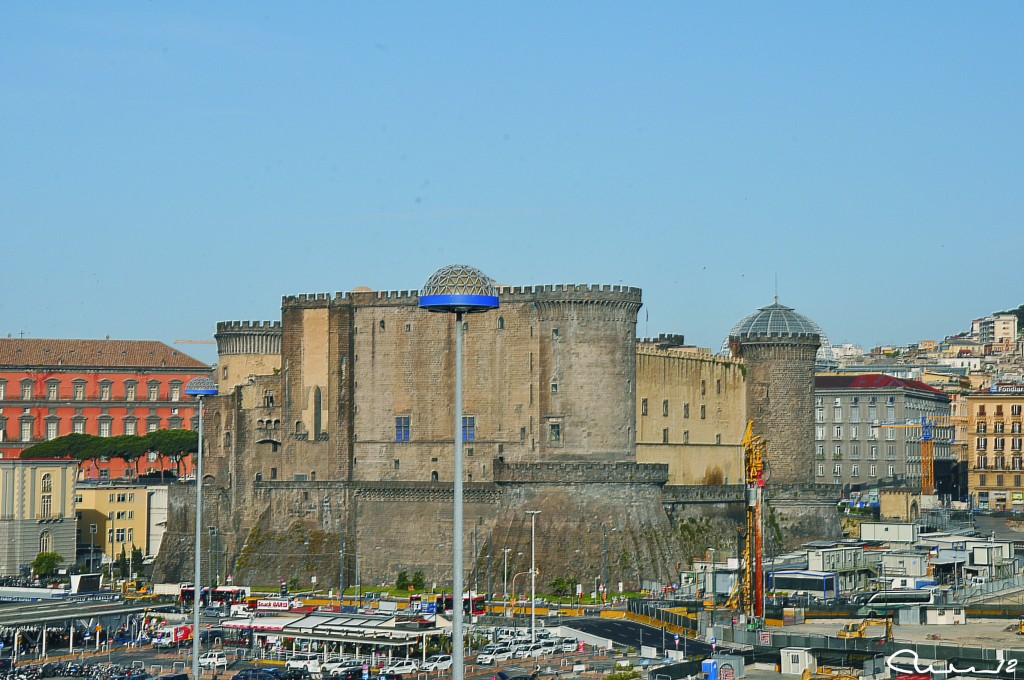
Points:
x=459, y=288
x=201, y=387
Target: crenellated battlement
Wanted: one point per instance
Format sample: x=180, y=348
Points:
x=248, y=326
x=248, y=337
x=696, y=353
x=562, y=292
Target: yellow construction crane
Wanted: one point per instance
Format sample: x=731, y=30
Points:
x=927, y=427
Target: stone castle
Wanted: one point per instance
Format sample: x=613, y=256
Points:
x=329, y=451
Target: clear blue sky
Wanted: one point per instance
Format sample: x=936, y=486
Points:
x=167, y=165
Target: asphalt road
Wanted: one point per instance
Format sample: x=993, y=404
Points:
x=632, y=634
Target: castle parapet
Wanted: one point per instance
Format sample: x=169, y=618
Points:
x=577, y=293
x=248, y=337
x=580, y=473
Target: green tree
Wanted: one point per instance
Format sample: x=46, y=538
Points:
x=46, y=563
x=402, y=582
x=562, y=586
x=122, y=563
x=137, y=556
x=419, y=581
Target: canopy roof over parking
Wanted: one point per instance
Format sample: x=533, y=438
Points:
x=340, y=627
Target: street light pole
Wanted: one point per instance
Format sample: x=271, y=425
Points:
x=604, y=572
x=533, y=574
x=504, y=597
x=341, y=572
x=199, y=388
x=460, y=290
x=714, y=587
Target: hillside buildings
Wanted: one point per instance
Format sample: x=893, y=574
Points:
x=994, y=447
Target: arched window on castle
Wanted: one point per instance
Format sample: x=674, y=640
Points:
x=501, y=323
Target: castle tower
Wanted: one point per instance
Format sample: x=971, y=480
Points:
x=779, y=347
x=246, y=348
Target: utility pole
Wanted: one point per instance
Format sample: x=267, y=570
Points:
x=604, y=572
x=533, y=574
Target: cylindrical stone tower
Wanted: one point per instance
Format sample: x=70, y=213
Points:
x=779, y=347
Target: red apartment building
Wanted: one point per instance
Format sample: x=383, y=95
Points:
x=51, y=388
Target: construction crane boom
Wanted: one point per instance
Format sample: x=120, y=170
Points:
x=926, y=426
x=754, y=448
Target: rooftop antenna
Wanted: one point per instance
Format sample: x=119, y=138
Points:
x=776, y=288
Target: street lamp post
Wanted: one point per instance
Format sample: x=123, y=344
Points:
x=533, y=574
x=198, y=388
x=714, y=587
x=460, y=290
x=504, y=597
x=604, y=572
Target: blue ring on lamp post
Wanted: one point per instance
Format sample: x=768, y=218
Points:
x=463, y=303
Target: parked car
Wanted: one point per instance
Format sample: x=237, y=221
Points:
x=569, y=645
x=346, y=673
x=214, y=661
x=259, y=674
x=401, y=667
x=494, y=655
x=437, y=662
x=296, y=674
x=335, y=664
x=530, y=651
x=309, y=662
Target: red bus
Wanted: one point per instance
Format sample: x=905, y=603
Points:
x=187, y=593
x=475, y=605
x=226, y=596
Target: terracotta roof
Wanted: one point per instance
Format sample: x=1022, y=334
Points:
x=871, y=381
x=94, y=354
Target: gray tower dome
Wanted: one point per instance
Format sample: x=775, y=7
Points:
x=779, y=321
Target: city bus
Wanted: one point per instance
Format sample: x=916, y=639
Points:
x=225, y=596
x=472, y=606
x=886, y=602
x=187, y=593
